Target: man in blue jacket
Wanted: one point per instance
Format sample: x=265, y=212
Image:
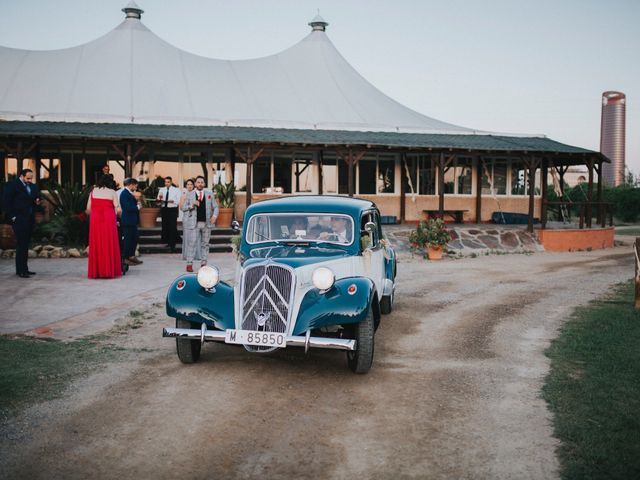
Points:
x=21, y=198
x=129, y=220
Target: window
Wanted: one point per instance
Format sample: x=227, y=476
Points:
x=262, y=174
x=386, y=174
x=367, y=176
x=518, y=179
x=494, y=176
x=463, y=179
x=303, y=173
x=303, y=227
x=426, y=175
x=282, y=173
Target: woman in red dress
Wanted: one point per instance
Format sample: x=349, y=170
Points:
x=104, y=245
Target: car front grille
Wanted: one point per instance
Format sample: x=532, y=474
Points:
x=267, y=294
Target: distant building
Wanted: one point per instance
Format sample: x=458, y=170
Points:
x=612, y=137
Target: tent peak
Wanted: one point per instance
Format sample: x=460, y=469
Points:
x=318, y=23
x=132, y=10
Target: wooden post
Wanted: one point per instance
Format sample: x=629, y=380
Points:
x=249, y=158
x=350, y=178
x=248, y=177
x=441, y=185
x=590, y=193
x=543, y=179
x=127, y=166
x=532, y=185
x=480, y=162
x=601, y=215
x=320, y=156
x=636, y=251
x=403, y=194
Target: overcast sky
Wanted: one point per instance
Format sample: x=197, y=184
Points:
x=501, y=65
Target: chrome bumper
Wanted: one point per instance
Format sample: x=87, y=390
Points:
x=307, y=341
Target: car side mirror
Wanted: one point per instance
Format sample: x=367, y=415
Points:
x=235, y=226
x=370, y=227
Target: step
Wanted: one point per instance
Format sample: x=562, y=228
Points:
x=157, y=239
x=158, y=231
x=149, y=249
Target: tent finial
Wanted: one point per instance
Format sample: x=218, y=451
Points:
x=318, y=23
x=132, y=10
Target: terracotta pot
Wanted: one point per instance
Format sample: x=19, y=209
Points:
x=148, y=216
x=225, y=215
x=435, y=253
x=7, y=237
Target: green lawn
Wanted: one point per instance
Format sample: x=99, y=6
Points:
x=593, y=389
x=34, y=369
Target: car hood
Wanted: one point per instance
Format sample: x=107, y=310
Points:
x=294, y=256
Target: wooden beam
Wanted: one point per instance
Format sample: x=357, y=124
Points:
x=479, y=170
x=532, y=165
x=543, y=180
x=320, y=156
x=441, y=165
x=590, y=192
x=601, y=213
x=403, y=195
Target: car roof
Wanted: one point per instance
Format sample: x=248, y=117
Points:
x=312, y=204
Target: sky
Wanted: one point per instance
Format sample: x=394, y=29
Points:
x=506, y=66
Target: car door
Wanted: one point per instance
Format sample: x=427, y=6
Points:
x=373, y=255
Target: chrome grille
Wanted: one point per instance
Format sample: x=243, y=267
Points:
x=267, y=294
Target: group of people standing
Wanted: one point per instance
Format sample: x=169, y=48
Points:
x=200, y=212
x=114, y=215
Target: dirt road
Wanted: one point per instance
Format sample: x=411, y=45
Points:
x=454, y=391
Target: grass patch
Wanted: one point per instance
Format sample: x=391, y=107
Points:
x=632, y=232
x=35, y=369
x=593, y=389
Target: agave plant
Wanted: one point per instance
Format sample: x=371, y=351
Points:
x=68, y=199
x=226, y=193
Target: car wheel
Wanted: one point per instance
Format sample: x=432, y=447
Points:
x=188, y=350
x=386, y=304
x=361, y=358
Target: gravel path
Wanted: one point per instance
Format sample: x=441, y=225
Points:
x=454, y=391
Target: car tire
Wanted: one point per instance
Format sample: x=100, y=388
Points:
x=361, y=359
x=386, y=304
x=188, y=350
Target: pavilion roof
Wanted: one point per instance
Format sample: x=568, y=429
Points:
x=283, y=136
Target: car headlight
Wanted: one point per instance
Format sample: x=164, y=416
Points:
x=323, y=278
x=208, y=277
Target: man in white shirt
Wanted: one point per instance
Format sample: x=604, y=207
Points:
x=168, y=198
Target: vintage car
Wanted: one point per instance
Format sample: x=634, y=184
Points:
x=313, y=272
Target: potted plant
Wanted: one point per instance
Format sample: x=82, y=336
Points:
x=226, y=194
x=432, y=236
x=150, y=212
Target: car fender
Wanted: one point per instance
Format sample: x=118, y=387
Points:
x=336, y=306
x=187, y=300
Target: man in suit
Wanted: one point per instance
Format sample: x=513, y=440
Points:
x=21, y=198
x=129, y=219
x=200, y=210
x=168, y=198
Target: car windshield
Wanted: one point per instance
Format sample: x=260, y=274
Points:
x=300, y=227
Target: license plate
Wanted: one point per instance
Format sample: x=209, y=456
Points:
x=252, y=337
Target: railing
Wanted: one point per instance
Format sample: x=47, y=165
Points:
x=585, y=212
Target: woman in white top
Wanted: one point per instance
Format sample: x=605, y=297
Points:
x=189, y=186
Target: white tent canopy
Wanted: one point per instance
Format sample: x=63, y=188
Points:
x=130, y=75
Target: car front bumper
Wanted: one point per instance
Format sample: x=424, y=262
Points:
x=307, y=341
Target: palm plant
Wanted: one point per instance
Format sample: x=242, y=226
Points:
x=226, y=193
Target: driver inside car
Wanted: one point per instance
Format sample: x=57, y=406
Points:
x=339, y=232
